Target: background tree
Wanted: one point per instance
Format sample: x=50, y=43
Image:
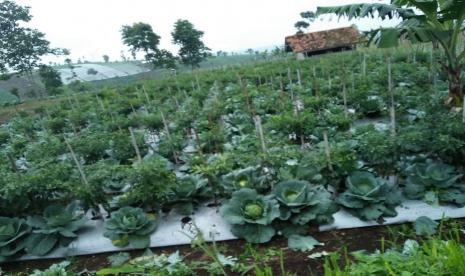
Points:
x=21, y=48
x=162, y=59
x=192, y=50
x=308, y=18
x=106, y=58
x=439, y=21
x=140, y=37
x=51, y=79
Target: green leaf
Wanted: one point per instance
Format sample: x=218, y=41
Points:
x=253, y=233
x=302, y=243
x=388, y=38
x=139, y=242
x=424, y=226
x=39, y=244
x=119, y=258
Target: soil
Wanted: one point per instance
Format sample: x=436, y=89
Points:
x=368, y=238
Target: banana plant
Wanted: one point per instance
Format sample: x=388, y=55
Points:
x=438, y=21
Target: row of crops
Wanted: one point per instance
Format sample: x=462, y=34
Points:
x=277, y=145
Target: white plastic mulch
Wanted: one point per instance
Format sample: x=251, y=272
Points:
x=172, y=231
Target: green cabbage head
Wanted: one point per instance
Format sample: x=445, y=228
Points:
x=434, y=182
x=130, y=226
x=302, y=202
x=369, y=197
x=57, y=225
x=251, y=215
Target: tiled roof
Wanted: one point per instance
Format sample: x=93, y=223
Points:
x=328, y=39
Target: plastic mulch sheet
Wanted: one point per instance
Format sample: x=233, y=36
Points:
x=172, y=231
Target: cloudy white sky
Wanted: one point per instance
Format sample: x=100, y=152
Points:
x=90, y=28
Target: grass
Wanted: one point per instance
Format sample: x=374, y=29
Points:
x=441, y=254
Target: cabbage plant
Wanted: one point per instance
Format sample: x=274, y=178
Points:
x=58, y=225
x=249, y=177
x=434, y=182
x=188, y=192
x=130, y=226
x=13, y=233
x=369, y=197
x=301, y=202
x=251, y=215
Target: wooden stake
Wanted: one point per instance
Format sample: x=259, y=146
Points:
x=290, y=83
x=197, y=142
x=344, y=96
x=327, y=150
x=364, y=65
x=463, y=110
x=391, y=93
x=246, y=95
x=167, y=129
x=146, y=97
x=259, y=128
x=78, y=165
x=299, y=81
x=198, y=83
x=134, y=144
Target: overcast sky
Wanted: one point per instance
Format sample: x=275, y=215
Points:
x=91, y=28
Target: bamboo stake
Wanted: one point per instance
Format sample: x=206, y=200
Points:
x=146, y=97
x=299, y=81
x=344, y=96
x=78, y=165
x=327, y=150
x=246, y=95
x=134, y=144
x=197, y=142
x=259, y=128
x=391, y=93
x=198, y=83
x=364, y=65
x=463, y=110
x=290, y=82
x=167, y=129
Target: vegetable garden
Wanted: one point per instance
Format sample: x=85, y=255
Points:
x=275, y=146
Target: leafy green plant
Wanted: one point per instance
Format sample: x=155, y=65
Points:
x=300, y=202
x=187, y=193
x=425, y=226
x=58, y=225
x=151, y=181
x=434, y=182
x=249, y=177
x=130, y=226
x=157, y=265
x=59, y=269
x=369, y=197
x=432, y=258
x=13, y=233
x=251, y=215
